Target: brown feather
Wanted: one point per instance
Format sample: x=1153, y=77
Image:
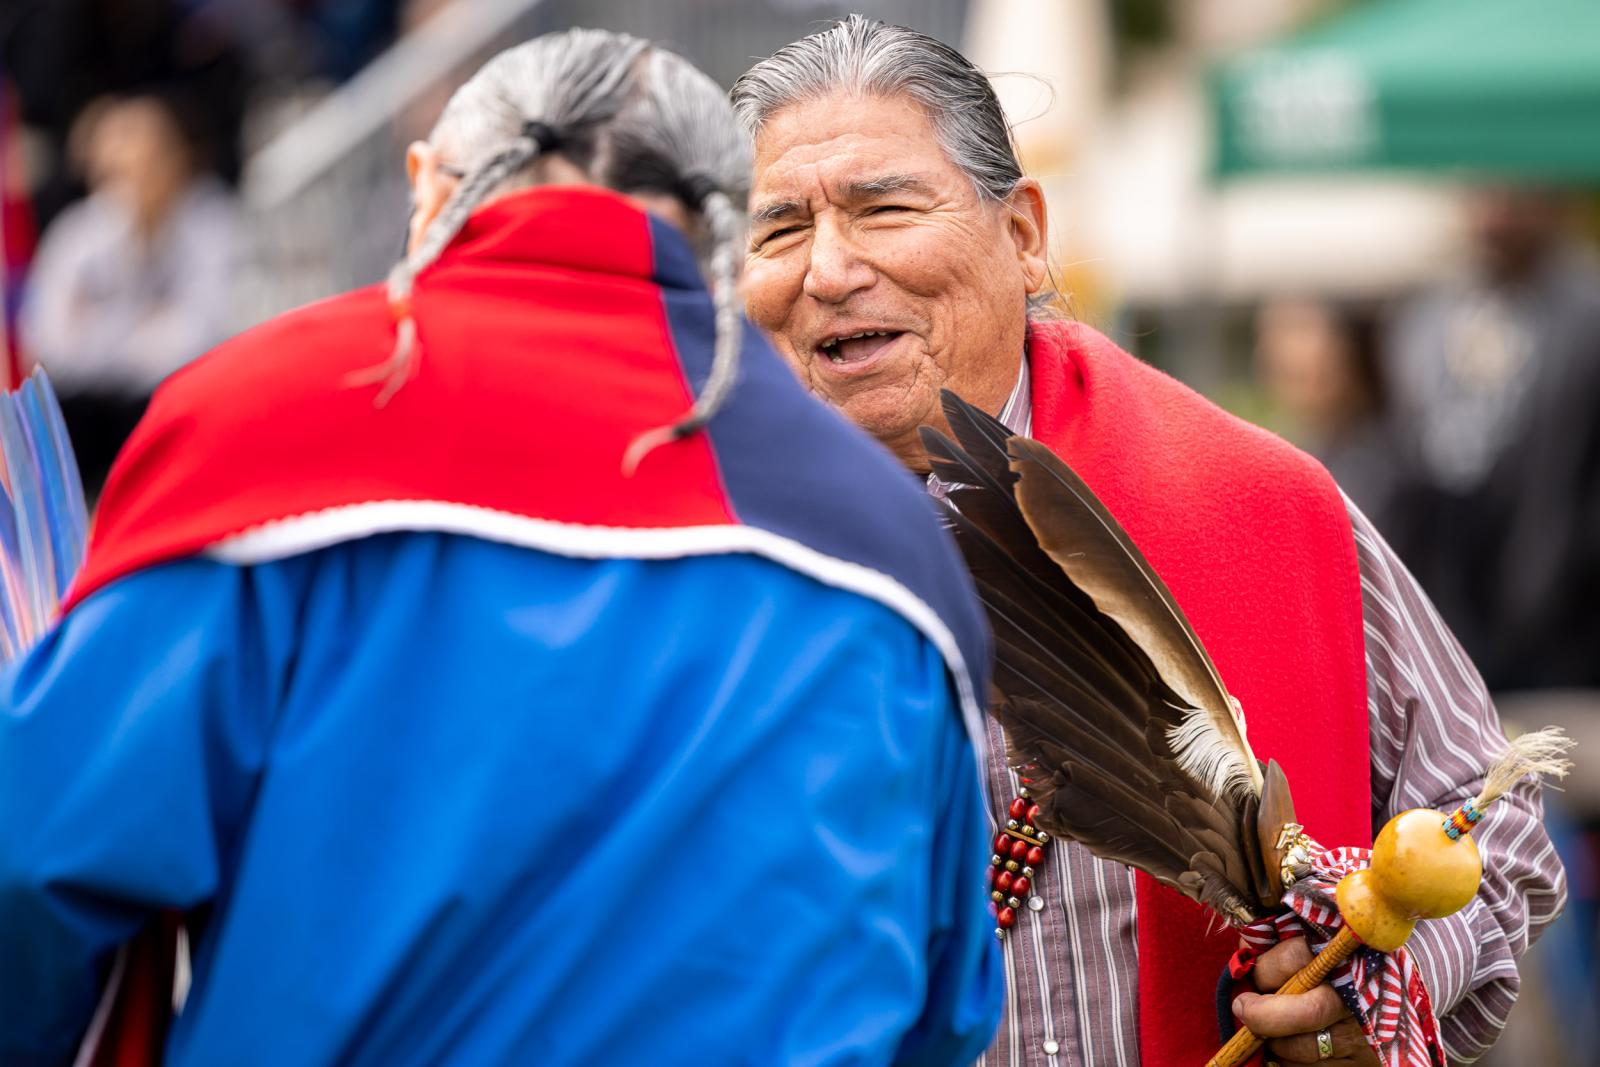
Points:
x=1086, y=541
x=1094, y=676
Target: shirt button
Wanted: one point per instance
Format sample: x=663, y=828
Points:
x=1051, y=1048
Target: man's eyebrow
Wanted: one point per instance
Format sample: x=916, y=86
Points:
x=864, y=189
x=775, y=212
x=867, y=188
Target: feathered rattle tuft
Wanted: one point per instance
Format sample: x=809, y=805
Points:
x=1535, y=754
x=1422, y=868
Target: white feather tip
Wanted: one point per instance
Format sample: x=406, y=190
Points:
x=1538, y=753
x=1211, y=757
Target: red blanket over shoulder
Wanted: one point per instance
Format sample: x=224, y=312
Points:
x=1254, y=540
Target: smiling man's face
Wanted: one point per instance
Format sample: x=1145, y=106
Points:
x=879, y=271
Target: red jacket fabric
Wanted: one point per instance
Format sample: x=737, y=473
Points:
x=1254, y=540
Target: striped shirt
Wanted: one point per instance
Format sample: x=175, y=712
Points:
x=1072, y=969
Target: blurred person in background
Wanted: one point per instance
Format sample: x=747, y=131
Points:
x=1318, y=365
x=134, y=281
x=1496, y=378
x=63, y=55
x=512, y=663
x=1496, y=375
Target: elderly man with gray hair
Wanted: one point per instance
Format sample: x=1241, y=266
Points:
x=896, y=249
x=492, y=702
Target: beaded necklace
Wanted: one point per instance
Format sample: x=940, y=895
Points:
x=1018, y=855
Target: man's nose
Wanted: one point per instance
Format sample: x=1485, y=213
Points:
x=836, y=268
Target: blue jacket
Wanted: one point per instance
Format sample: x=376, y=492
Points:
x=436, y=800
x=458, y=795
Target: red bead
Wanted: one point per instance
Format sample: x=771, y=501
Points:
x=1018, y=888
x=1019, y=849
x=1007, y=918
x=1003, y=883
x=1002, y=844
x=1033, y=814
x=1019, y=808
x=1035, y=855
x=992, y=872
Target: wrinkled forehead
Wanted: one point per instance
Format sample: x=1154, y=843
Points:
x=845, y=146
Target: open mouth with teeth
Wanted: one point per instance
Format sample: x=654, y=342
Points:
x=856, y=348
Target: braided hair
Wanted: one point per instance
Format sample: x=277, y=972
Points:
x=633, y=117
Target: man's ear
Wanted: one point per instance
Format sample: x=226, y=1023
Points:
x=430, y=188
x=1030, y=232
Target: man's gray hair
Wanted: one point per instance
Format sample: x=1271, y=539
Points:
x=863, y=56
x=634, y=118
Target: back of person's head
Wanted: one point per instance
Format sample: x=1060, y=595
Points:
x=628, y=116
x=631, y=116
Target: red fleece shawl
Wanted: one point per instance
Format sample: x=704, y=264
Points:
x=1254, y=540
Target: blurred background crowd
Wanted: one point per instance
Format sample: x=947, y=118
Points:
x=1369, y=225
